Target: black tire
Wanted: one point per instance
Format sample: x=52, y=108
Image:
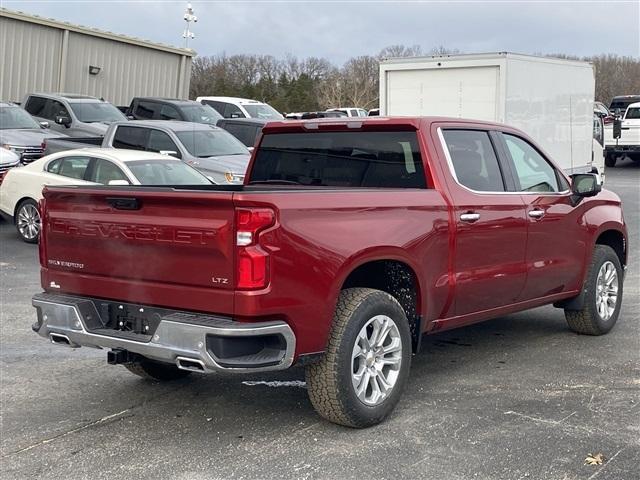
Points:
x=152, y=370
x=329, y=382
x=25, y=226
x=610, y=160
x=588, y=321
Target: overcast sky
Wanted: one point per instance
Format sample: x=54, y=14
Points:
x=338, y=30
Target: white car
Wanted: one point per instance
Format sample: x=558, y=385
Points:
x=21, y=188
x=233, y=107
x=350, y=111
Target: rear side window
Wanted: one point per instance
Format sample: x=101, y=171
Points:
x=133, y=138
x=218, y=106
x=36, y=106
x=145, y=110
x=245, y=133
x=633, y=113
x=167, y=112
x=340, y=159
x=74, y=167
x=474, y=161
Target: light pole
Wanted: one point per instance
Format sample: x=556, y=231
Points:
x=188, y=17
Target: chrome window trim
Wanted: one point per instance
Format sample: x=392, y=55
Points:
x=452, y=170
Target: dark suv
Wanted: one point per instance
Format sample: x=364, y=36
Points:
x=151, y=108
x=246, y=130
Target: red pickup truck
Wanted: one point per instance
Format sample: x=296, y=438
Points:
x=349, y=240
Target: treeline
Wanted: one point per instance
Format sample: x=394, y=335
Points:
x=293, y=85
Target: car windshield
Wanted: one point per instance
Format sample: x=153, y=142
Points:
x=211, y=143
x=166, y=172
x=90, y=112
x=633, y=113
x=201, y=114
x=15, y=117
x=263, y=110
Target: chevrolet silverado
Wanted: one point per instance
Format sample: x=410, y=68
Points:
x=349, y=240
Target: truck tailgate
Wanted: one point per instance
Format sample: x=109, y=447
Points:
x=171, y=248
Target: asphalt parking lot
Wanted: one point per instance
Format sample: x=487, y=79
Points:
x=518, y=397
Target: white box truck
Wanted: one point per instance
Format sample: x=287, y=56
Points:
x=549, y=99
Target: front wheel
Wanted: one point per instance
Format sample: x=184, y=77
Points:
x=603, y=295
x=28, y=221
x=365, y=368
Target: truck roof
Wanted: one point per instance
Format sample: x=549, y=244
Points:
x=118, y=154
x=174, y=125
x=241, y=101
x=481, y=56
x=68, y=96
x=365, y=123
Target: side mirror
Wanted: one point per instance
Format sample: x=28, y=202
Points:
x=118, y=183
x=130, y=117
x=251, y=149
x=617, y=127
x=585, y=184
x=44, y=125
x=235, y=115
x=171, y=153
x=66, y=121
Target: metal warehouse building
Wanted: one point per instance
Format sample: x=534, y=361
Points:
x=43, y=55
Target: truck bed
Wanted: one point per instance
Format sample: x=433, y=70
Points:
x=54, y=145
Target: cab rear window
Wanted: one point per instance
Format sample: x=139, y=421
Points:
x=340, y=159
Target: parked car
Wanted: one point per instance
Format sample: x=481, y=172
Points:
x=350, y=111
x=21, y=134
x=232, y=107
x=601, y=109
x=151, y=108
x=21, y=189
x=247, y=130
x=348, y=241
x=621, y=102
x=374, y=112
x=71, y=114
x=327, y=114
x=628, y=145
x=8, y=159
x=211, y=150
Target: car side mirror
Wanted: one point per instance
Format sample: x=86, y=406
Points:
x=617, y=127
x=251, y=149
x=66, y=121
x=130, y=117
x=585, y=184
x=44, y=125
x=118, y=183
x=171, y=153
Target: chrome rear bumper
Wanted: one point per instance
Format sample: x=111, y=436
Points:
x=189, y=340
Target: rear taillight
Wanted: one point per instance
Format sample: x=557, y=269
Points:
x=43, y=145
x=607, y=120
x=252, y=260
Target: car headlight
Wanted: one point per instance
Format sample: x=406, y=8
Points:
x=13, y=148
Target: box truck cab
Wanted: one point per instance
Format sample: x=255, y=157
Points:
x=550, y=99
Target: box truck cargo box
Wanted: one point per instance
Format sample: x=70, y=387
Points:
x=550, y=99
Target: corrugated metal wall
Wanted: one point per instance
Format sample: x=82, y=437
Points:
x=126, y=70
x=34, y=59
x=30, y=58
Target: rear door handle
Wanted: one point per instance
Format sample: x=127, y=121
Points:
x=537, y=213
x=470, y=217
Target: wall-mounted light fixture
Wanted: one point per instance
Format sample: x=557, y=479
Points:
x=94, y=70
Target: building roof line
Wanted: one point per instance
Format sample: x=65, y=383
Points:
x=50, y=22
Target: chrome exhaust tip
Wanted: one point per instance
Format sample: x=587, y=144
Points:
x=60, y=339
x=190, y=364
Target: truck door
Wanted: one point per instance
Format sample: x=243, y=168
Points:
x=556, y=245
x=491, y=223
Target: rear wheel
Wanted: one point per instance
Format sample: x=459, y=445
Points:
x=365, y=368
x=610, y=160
x=603, y=295
x=152, y=370
x=28, y=221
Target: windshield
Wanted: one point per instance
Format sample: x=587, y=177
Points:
x=263, y=110
x=166, y=172
x=211, y=143
x=201, y=114
x=96, y=112
x=15, y=117
x=632, y=113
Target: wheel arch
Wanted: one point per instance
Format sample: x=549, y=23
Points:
x=20, y=202
x=394, y=274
